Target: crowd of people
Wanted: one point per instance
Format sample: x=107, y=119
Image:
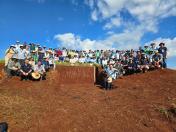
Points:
x=26, y=60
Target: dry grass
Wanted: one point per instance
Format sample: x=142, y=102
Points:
x=2, y=61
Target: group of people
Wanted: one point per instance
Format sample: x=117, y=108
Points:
x=130, y=62
x=33, y=59
x=29, y=61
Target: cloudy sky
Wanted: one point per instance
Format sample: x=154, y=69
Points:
x=89, y=24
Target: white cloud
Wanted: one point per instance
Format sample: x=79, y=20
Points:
x=147, y=14
x=121, y=41
x=145, y=11
x=114, y=22
x=94, y=15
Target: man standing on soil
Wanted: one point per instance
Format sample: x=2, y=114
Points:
x=9, y=54
x=26, y=70
x=163, y=51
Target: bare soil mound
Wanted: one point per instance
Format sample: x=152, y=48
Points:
x=138, y=103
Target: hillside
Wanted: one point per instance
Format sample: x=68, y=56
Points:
x=138, y=103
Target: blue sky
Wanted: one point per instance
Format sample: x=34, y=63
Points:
x=84, y=24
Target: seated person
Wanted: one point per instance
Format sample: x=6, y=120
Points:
x=144, y=63
x=32, y=62
x=74, y=59
x=46, y=64
x=93, y=59
x=26, y=70
x=120, y=69
x=39, y=68
x=131, y=67
x=81, y=59
x=157, y=60
x=13, y=67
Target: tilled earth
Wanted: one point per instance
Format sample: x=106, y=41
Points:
x=137, y=103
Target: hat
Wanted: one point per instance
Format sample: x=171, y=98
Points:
x=161, y=44
x=12, y=45
x=156, y=51
x=17, y=41
x=152, y=44
x=35, y=75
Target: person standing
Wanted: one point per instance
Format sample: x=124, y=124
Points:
x=9, y=54
x=21, y=54
x=163, y=51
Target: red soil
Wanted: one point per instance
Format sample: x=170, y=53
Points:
x=134, y=104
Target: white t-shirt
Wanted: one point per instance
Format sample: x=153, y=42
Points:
x=40, y=69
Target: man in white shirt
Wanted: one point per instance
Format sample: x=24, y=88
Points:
x=39, y=68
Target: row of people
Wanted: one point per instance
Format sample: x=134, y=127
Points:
x=125, y=61
x=26, y=70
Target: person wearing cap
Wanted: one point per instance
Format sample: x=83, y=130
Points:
x=46, y=64
x=26, y=70
x=111, y=74
x=32, y=47
x=153, y=47
x=144, y=63
x=34, y=56
x=9, y=54
x=163, y=51
x=146, y=49
x=41, y=54
x=17, y=45
x=32, y=62
x=27, y=51
x=131, y=69
x=120, y=69
x=21, y=54
x=39, y=68
x=13, y=67
x=157, y=60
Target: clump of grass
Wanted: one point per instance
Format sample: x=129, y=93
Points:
x=76, y=64
x=164, y=112
x=2, y=61
x=169, y=113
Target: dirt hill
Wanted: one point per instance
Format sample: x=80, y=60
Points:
x=137, y=103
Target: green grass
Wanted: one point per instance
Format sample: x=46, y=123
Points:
x=2, y=61
x=66, y=63
x=76, y=64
